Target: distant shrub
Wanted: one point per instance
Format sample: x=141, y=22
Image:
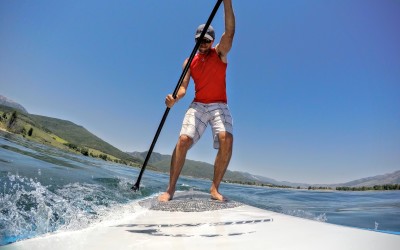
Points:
x=71, y=146
x=85, y=151
x=12, y=120
x=102, y=156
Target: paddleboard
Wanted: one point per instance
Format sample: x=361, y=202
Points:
x=193, y=221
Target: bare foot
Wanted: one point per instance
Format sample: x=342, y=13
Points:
x=164, y=197
x=215, y=195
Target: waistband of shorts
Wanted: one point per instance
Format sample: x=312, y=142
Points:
x=219, y=104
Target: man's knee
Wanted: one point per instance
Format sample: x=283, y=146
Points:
x=225, y=138
x=185, y=142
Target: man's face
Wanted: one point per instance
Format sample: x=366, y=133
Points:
x=205, y=45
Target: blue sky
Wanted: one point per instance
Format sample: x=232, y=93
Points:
x=313, y=86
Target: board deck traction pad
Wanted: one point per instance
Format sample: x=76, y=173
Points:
x=189, y=201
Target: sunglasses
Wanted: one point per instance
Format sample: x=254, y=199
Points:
x=205, y=40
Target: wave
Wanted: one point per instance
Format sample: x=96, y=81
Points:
x=29, y=209
x=307, y=215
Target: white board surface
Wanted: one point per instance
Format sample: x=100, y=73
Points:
x=193, y=221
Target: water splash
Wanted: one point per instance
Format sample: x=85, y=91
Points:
x=24, y=208
x=28, y=208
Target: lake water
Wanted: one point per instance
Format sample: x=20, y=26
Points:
x=44, y=190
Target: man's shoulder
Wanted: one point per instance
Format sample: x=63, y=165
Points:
x=221, y=56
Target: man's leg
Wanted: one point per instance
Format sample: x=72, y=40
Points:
x=177, y=162
x=221, y=163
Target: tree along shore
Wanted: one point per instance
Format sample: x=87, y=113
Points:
x=385, y=187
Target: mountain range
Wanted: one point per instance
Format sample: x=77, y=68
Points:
x=390, y=178
x=67, y=135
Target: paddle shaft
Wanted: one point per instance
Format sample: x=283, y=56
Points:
x=185, y=70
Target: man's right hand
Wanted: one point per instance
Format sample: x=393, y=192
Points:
x=170, y=100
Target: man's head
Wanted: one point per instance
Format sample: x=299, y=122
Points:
x=207, y=41
x=210, y=34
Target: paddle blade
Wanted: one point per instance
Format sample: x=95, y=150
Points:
x=135, y=187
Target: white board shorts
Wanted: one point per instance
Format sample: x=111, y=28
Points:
x=199, y=115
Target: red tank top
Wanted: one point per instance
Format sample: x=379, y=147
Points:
x=208, y=73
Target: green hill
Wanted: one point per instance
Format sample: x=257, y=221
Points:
x=61, y=134
x=78, y=135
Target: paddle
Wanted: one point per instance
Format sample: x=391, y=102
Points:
x=185, y=70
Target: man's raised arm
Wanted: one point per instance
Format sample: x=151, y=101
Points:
x=225, y=44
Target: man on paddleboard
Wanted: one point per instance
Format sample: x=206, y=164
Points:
x=208, y=70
